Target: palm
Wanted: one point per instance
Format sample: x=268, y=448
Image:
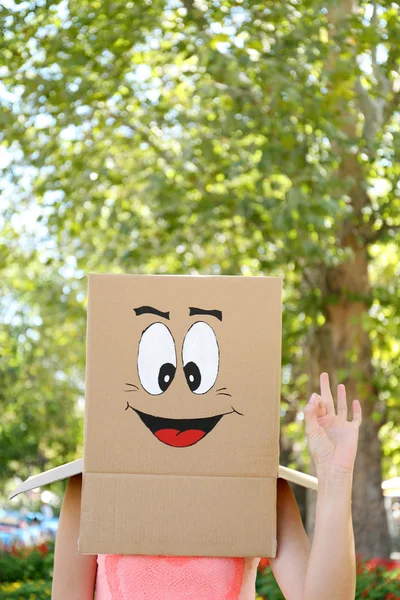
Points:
x=332, y=438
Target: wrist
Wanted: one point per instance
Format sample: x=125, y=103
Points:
x=332, y=477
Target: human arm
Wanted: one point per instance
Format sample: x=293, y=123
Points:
x=331, y=568
x=290, y=564
x=327, y=569
x=74, y=574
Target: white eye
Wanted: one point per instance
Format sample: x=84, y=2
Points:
x=156, y=359
x=200, y=354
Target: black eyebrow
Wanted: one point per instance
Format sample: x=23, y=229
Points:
x=200, y=311
x=142, y=310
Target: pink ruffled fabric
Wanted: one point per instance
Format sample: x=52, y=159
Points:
x=173, y=578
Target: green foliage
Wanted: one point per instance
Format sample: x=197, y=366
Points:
x=161, y=137
x=26, y=564
x=29, y=590
x=267, y=587
x=27, y=574
x=376, y=579
x=39, y=420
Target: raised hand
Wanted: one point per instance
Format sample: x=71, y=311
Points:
x=332, y=439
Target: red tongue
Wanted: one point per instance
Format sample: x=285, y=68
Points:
x=179, y=439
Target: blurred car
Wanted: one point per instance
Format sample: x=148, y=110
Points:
x=49, y=528
x=13, y=529
x=21, y=529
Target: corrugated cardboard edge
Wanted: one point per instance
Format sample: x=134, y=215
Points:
x=76, y=467
x=277, y=392
x=90, y=278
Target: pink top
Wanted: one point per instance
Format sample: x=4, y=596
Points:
x=171, y=578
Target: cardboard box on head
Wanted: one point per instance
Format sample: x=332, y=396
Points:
x=182, y=415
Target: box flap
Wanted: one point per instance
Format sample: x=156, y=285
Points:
x=211, y=516
x=57, y=474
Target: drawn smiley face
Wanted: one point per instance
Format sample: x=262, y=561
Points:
x=157, y=365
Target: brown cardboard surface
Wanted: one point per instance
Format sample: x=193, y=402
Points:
x=211, y=515
x=124, y=460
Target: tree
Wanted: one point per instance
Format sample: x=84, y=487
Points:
x=40, y=380
x=232, y=137
x=343, y=344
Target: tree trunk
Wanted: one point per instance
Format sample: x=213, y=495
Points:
x=344, y=350
x=353, y=357
x=342, y=347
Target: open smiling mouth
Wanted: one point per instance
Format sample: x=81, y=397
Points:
x=179, y=433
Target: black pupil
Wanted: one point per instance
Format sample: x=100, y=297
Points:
x=193, y=375
x=166, y=375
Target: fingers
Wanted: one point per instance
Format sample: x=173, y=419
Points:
x=341, y=402
x=320, y=406
x=310, y=416
x=327, y=394
x=357, y=412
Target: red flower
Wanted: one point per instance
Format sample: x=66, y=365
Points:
x=262, y=564
x=43, y=548
x=373, y=563
x=359, y=567
x=392, y=564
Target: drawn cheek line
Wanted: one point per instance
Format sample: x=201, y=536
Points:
x=132, y=385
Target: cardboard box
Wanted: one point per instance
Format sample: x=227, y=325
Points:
x=182, y=415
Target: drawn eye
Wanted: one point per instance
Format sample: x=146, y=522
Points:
x=200, y=354
x=156, y=359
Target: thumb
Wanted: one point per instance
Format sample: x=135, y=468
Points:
x=310, y=416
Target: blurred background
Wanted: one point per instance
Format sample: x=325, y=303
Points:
x=201, y=136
